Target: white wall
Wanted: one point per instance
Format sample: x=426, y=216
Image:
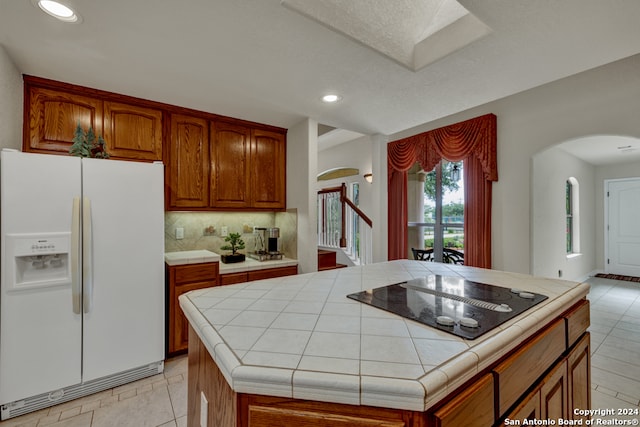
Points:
x=353, y=154
x=302, y=170
x=602, y=101
x=11, y=95
x=551, y=169
x=617, y=171
x=369, y=155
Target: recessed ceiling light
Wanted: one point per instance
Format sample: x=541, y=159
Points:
x=331, y=98
x=58, y=10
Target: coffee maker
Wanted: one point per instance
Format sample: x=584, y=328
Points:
x=267, y=244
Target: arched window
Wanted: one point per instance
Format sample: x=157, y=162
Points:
x=572, y=202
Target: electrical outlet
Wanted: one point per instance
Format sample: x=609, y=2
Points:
x=204, y=410
x=179, y=233
x=224, y=231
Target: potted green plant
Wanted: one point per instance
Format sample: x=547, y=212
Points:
x=235, y=243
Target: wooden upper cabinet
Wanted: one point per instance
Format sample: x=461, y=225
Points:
x=133, y=132
x=230, y=151
x=268, y=171
x=53, y=116
x=188, y=168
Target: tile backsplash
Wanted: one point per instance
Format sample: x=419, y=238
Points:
x=202, y=229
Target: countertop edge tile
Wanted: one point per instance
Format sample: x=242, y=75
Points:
x=254, y=265
x=392, y=393
x=190, y=257
x=435, y=384
x=262, y=380
x=326, y=387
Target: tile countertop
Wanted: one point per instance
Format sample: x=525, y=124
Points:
x=301, y=337
x=199, y=256
x=250, y=264
x=190, y=257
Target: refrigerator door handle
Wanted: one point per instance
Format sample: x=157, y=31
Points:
x=76, y=292
x=87, y=257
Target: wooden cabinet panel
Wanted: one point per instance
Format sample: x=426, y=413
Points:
x=206, y=380
x=268, y=172
x=248, y=276
x=578, y=320
x=188, y=168
x=179, y=325
x=230, y=148
x=270, y=273
x=133, y=132
x=206, y=271
x=553, y=393
x=264, y=416
x=528, y=409
x=53, y=117
x=472, y=407
x=182, y=279
x=579, y=376
x=525, y=366
x=231, y=278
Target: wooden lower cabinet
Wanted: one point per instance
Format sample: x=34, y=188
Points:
x=226, y=408
x=565, y=387
x=249, y=276
x=528, y=409
x=579, y=377
x=472, y=407
x=553, y=393
x=535, y=392
x=181, y=279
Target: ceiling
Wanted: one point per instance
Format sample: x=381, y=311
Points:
x=270, y=61
x=602, y=150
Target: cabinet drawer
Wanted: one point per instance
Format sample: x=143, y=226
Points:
x=472, y=407
x=273, y=272
x=196, y=273
x=231, y=278
x=577, y=320
x=516, y=374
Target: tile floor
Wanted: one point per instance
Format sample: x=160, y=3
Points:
x=157, y=401
x=615, y=345
x=160, y=401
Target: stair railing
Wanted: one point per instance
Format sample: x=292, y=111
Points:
x=341, y=224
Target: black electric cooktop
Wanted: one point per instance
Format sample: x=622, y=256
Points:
x=452, y=304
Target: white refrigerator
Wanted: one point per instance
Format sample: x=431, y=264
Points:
x=82, y=277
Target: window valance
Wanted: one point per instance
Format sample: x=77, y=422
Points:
x=473, y=141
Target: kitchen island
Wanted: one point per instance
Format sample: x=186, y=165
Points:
x=296, y=350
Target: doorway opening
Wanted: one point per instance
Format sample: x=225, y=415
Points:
x=436, y=213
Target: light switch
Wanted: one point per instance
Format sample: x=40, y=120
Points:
x=179, y=233
x=224, y=231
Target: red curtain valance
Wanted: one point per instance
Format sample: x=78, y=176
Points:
x=473, y=141
x=475, y=137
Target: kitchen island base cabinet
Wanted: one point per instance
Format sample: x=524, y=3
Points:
x=547, y=376
x=226, y=408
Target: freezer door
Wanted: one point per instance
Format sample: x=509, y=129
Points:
x=40, y=336
x=124, y=283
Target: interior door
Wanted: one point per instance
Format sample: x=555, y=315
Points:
x=623, y=227
x=124, y=303
x=40, y=336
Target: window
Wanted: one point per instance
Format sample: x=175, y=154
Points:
x=437, y=210
x=572, y=204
